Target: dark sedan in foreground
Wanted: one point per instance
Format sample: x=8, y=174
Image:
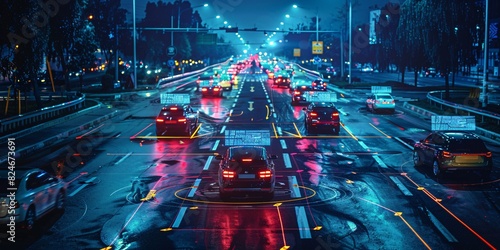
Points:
x=246, y=169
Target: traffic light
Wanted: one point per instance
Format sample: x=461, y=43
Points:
x=232, y=30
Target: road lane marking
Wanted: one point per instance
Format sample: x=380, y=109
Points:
x=194, y=188
x=304, y=231
x=379, y=161
x=222, y=130
x=215, y=145
x=400, y=185
x=123, y=158
x=286, y=159
x=87, y=182
x=376, y=157
x=207, y=164
x=294, y=187
x=280, y=133
x=441, y=228
x=179, y=217
x=404, y=143
x=283, y=144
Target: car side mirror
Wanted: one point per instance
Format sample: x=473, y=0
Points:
x=273, y=157
x=304, y=109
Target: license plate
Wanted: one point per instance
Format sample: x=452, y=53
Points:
x=170, y=122
x=246, y=176
x=468, y=159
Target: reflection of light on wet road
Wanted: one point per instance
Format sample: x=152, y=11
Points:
x=314, y=171
x=213, y=107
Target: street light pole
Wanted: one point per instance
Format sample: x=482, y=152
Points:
x=485, y=64
x=350, y=40
x=172, y=42
x=135, y=46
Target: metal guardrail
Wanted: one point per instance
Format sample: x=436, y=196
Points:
x=458, y=107
x=10, y=124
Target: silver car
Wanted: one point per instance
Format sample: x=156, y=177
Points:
x=380, y=102
x=28, y=194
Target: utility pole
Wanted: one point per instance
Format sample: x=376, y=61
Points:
x=485, y=64
x=116, y=53
x=135, y=47
x=350, y=41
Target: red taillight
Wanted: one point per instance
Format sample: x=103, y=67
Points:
x=446, y=154
x=335, y=114
x=216, y=89
x=228, y=174
x=204, y=89
x=265, y=174
x=296, y=93
x=159, y=120
x=377, y=101
x=314, y=84
x=393, y=101
x=198, y=81
x=489, y=154
x=313, y=114
x=181, y=120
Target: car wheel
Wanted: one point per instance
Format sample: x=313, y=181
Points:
x=436, y=169
x=60, y=200
x=30, y=218
x=417, y=161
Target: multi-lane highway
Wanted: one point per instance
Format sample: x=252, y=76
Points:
x=358, y=190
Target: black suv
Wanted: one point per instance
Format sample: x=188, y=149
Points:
x=176, y=119
x=322, y=116
x=453, y=151
x=300, y=93
x=246, y=169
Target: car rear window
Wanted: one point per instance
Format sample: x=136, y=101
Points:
x=384, y=97
x=467, y=146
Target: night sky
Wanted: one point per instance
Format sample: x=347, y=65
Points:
x=269, y=14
